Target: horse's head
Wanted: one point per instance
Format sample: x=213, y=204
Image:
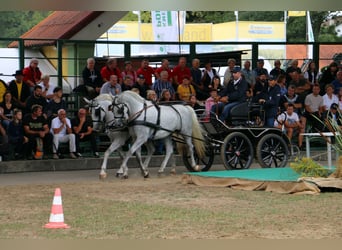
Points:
x=98, y=114
x=121, y=113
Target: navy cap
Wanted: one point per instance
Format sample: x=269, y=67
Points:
x=272, y=77
x=141, y=76
x=236, y=69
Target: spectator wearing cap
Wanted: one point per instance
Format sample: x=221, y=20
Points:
x=129, y=71
x=269, y=97
x=163, y=83
x=112, y=87
x=141, y=86
x=56, y=103
x=165, y=65
x=19, y=89
x=185, y=89
x=32, y=74
x=334, y=114
x=147, y=71
x=233, y=94
x=92, y=79
x=179, y=71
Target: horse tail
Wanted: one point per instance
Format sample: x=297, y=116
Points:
x=197, y=134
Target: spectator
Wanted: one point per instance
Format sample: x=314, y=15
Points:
x=19, y=89
x=194, y=103
x=3, y=89
x=269, y=98
x=82, y=127
x=260, y=84
x=281, y=81
x=215, y=84
x=248, y=74
x=127, y=83
x=111, y=68
x=260, y=70
x=112, y=87
x=208, y=74
x=6, y=109
x=334, y=115
x=165, y=96
x=291, y=98
x=185, y=89
x=151, y=95
x=36, y=98
x=163, y=83
x=179, y=71
x=289, y=120
x=277, y=71
x=303, y=87
x=232, y=95
x=55, y=104
x=129, y=71
x=196, y=75
x=147, y=71
x=228, y=74
x=92, y=79
x=36, y=129
x=312, y=74
x=47, y=87
x=165, y=66
x=337, y=83
x=140, y=84
x=16, y=135
x=339, y=96
x=212, y=100
x=32, y=74
x=329, y=97
x=328, y=76
x=4, y=146
x=62, y=133
x=293, y=68
x=314, y=109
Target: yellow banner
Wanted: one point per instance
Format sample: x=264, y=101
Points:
x=296, y=13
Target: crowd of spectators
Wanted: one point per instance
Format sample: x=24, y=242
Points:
x=33, y=111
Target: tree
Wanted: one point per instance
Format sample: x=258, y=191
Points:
x=13, y=24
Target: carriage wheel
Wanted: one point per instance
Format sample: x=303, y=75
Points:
x=205, y=163
x=272, y=151
x=237, y=151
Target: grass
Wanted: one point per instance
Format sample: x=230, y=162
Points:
x=165, y=208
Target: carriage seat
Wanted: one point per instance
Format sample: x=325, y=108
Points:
x=246, y=113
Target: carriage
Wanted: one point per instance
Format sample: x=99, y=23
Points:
x=242, y=141
x=239, y=143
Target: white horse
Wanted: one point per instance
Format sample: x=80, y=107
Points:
x=103, y=119
x=147, y=121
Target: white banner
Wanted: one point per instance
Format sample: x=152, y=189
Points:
x=167, y=27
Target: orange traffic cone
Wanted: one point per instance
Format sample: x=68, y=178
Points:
x=57, y=216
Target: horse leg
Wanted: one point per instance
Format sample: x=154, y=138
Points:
x=116, y=143
x=136, y=145
x=168, y=153
x=191, y=152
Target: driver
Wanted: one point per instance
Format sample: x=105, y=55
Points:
x=233, y=94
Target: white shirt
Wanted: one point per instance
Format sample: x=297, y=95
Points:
x=50, y=90
x=56, y=123
x=327, y=101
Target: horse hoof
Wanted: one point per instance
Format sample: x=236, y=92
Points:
x=160, y=174
x=173, y=171
x=197, y=168
x=124, y=177
x=118, y=175
x=102, y=176
x=147, y=175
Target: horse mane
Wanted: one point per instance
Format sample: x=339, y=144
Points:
x=104, y=97
x=133, y=95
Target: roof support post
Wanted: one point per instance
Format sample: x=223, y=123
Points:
x=60, y=62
